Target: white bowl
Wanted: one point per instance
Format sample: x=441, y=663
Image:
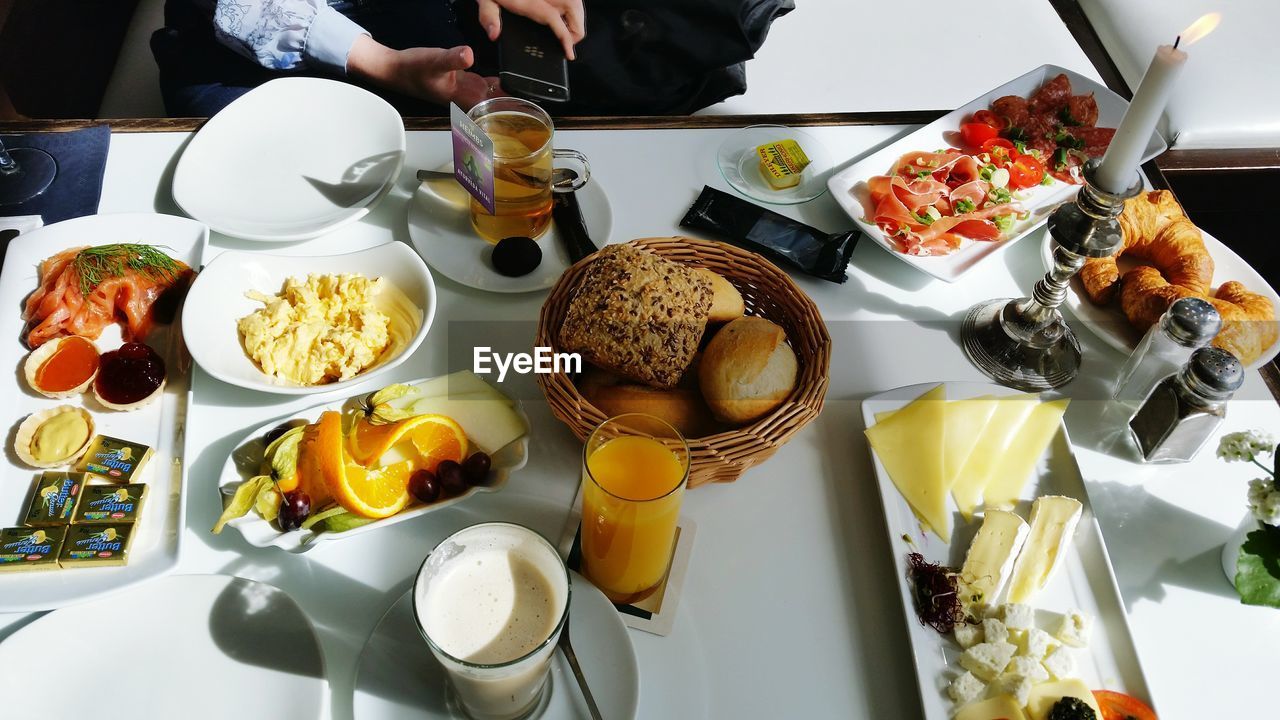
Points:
x=217, y=301
x=290, y=160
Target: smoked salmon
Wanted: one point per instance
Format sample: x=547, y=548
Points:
x=85, y=289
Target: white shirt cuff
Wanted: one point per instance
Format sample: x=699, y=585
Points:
x=330, y=40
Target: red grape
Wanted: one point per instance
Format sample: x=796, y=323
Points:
x=424, y=486
x=476, y=468
x=452, y=479
x=294, y=508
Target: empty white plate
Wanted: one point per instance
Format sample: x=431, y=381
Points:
x=196, y=647
x=217, y=301
x=397, y=676
x=290, y=160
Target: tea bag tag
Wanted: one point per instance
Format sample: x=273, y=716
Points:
x=472, y=157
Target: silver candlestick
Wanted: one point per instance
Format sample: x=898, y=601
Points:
x=1024, y=343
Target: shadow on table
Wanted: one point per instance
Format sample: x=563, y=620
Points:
x=164, y=202
x=259, y=625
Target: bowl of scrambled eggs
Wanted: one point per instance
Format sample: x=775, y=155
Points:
x=305, y=325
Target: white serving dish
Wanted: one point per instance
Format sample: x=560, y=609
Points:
x=161, y=424
x=440, y=227
x=1109, y=322
x=240, y=634
x=290, y=160
x=243, y=464
x=1084, y=580
x=849, y=186
x=218, y=301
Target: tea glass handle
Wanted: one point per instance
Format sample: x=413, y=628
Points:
x=581, y=176
x=8, y=165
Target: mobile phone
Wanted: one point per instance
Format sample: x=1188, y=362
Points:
x=531, y=60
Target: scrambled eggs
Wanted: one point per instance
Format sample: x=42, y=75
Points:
x=321, y=330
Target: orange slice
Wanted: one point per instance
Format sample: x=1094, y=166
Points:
x=437, y=438
x=377, y=493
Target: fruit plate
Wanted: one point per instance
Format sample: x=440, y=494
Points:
x=1110, y=324
x=160, y=425
x=849, y=186
x=1084, y=581
x=244, y=461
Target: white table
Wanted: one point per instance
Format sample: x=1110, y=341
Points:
x=789, y=609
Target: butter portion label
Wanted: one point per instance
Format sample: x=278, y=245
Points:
x=110, y=503
x=114, y=459
x=96, y=545
x=53, y=498
x=30, y=548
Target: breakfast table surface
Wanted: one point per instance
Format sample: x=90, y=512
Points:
x=790, y=606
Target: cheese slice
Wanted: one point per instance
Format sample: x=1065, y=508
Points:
x=908, y=444
x=991, y=556
x=983, y=461
x=1018, y=462
x=963, y=422
x=1044, y=695
x=1000, y=707
x=1053, y=525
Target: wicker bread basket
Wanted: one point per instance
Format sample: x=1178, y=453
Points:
x=768, y=292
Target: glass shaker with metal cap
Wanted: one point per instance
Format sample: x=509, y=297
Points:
x=1183, y=410
x=1189, y=323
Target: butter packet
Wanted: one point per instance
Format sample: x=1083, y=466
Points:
x=782, y=162
x=110, y=504
x=53, y=498
x=114, y=459
x=27, y=548
x=96, y=545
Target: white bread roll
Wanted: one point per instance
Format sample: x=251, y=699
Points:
x=726, y=301
x=747, y=370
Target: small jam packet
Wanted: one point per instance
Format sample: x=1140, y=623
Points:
x=114, y=459
x=53, y=498
x=110, y=504
x=27, y=548
x=472, y=157
x=94, y=545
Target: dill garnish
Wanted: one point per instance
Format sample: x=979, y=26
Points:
x=93, y=265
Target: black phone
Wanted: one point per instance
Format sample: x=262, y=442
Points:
x=532, y=63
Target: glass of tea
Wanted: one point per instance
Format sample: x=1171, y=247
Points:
x=523, y=160
x=634, y=471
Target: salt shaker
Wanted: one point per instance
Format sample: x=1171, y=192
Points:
x=1189, y=323
x=1184, y=409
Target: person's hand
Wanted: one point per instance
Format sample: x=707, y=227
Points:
x=564, y=17
x=436, y=74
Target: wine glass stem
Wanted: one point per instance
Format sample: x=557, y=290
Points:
x=8, y=165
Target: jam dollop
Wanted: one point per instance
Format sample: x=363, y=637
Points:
x=73, y=362
x=129, y=374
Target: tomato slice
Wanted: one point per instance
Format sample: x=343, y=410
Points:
x=986, y=117
x=1025, y=172
x=975, y=134
x=1001, y=151
x=1118, y=706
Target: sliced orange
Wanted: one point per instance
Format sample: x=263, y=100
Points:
x=311, y=466
x=437, y=438
x=377, y=493
x=367, y=442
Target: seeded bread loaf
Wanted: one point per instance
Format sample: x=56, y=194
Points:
x=638, y=315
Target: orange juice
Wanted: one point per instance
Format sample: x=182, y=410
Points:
x=632, y=489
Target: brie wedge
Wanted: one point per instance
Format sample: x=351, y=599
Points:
x=991, y=557
x=1053, y=525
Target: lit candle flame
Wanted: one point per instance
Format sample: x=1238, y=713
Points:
x=1199, y=28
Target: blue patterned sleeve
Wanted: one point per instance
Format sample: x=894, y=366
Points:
x=286, y=34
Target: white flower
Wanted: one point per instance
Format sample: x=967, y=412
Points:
x=1264, y=500
x=1245, y=446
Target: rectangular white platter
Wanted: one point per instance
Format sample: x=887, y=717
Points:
x=160, y=425
x=848, y=186
x=1085, y=579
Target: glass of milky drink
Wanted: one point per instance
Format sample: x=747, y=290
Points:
x=491, y=600
x=523, y=157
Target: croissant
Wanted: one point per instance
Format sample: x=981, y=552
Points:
x=1248, y=322
x=1155, y=229
x=1145, y=295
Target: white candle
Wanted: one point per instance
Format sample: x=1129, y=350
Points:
x=1119, y=167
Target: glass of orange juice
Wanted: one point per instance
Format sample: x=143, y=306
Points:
x=634, y=471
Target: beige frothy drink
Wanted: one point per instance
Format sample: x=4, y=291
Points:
x=490, y=600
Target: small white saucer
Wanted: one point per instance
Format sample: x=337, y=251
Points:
x=397, y=676
x=440, y=228
x=740, y=165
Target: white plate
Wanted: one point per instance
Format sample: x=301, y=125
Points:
x=160, y=425
x=217, y=302
x=849, y=186
x=440, y=227
x=290, y=160
x=1085, y=580
x=740, y=164
x=244, y=461
x=247, y=644
x=1110, y=324
x=397, y=677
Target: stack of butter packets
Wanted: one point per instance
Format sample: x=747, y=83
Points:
x=71, y=523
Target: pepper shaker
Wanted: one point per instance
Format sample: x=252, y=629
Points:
x=1183, y=410
x=1189, y=323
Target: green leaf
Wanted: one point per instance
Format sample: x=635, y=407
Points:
x=243, y=500
x=1258, y=571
